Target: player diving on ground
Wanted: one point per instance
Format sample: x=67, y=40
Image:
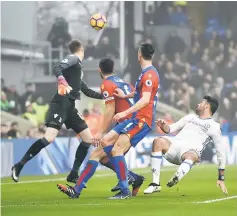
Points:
x=185, y=149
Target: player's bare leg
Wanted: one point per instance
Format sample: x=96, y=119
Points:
x=80, y=154
x=35, y=148
x=188, y=158
x=160, y=146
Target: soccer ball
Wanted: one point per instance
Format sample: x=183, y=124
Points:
x=98, y=21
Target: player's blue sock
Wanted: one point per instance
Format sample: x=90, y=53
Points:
x=131, y=175
x=86, y=174
x=121, y=171
x=108, y=149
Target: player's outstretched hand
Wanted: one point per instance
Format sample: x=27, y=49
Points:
x=95, y=142
x=119, y=93
x=119, y=116
x=63, y=87
x=98, y=136
x=160, y=122
x=221, y=184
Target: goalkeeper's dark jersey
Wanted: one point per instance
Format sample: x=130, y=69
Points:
x=70, y=68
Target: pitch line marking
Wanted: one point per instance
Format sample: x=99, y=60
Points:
x=62, y=179
x=44, y=205
x=215, y=200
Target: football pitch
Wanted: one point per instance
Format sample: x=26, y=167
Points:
x=196, y=194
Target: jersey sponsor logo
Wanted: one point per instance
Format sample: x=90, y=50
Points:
x=106, y=94
x=64, y=61
x=148, y=83
x=204, y=127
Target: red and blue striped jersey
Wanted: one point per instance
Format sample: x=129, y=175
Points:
x=108, y=88
x=147, y=82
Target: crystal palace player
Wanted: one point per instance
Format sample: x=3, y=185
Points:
x=186, y=148
x=129, y=132
x=62, y=108
x=113, y=105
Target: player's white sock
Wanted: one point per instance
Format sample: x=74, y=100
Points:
x=184, y=168
x=156, y=159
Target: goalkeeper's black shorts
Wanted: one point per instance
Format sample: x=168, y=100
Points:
x=62, y=111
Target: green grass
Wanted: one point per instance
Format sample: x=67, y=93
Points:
x=44, y=199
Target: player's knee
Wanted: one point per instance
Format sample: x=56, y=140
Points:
x=50, y=134
x=190, y=155
x=95, y=156
x=117, y=150
x=157, y=144
x=105, y=142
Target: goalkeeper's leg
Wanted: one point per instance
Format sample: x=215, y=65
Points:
x=35, y=148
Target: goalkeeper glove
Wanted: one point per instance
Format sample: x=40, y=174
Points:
x=63, y=87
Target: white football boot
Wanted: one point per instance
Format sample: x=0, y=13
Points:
x=153, y=187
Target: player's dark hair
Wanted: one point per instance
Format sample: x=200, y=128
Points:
x=213, y=103
x=14, y=124
x=147, y=51
x=74, y=46
x=106, y=65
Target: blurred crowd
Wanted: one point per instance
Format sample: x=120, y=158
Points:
x=29, y=106
x=59, y=37
x=166, y=13
x=208, y=66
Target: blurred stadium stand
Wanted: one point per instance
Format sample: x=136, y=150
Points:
x=35, y=38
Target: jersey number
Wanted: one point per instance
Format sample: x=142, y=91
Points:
x=127, y=92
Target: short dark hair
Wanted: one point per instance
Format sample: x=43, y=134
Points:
x=74, y=45
x=14, y=124
x=147, y=51
x=106, y=65
x=213, y=103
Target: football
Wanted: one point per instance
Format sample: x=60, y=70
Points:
x=98, y=21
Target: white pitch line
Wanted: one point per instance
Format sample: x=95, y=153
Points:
x=43, y=205
x=62, y=179
x=215, y=200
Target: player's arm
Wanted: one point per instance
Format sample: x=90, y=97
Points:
x=220, y=153
x=119, y=93
x=108, y=116
x=107, y=90
x=144, y=101
x=66, y=63
x=90, y=92
x=175, y=127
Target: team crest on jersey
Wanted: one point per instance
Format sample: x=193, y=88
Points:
x=106, y=94
x=149, y=75
x=148, y=83
x=102, y=87
x=140, y=124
